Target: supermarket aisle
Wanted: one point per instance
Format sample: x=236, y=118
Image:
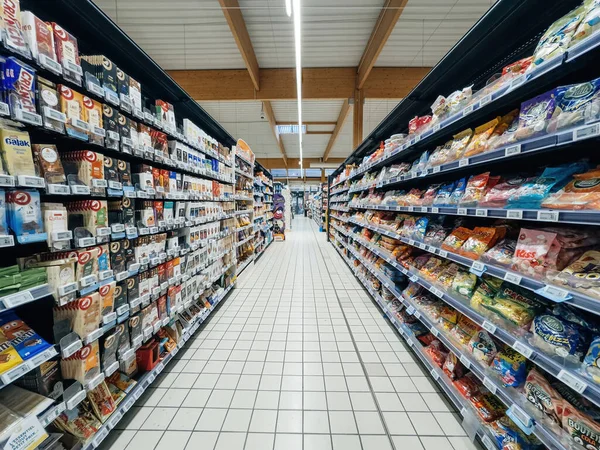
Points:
x=281, y=367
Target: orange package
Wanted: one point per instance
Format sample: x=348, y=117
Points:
x=456, y=239
x=482, y=133
x=583, y=192
x=482, y=239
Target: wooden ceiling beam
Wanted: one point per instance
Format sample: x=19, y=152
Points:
x=268, y=109
x=336, y=131
x=237, y=25
x=280, y=84
x=390, y=13
x=294, y=163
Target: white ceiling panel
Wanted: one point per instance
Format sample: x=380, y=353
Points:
x=180, y=34
x=334, y=33
x=374, y=112
x=312, y=110
x=343, y=144
x=428, y=29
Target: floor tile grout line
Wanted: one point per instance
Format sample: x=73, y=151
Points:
x=371, y=390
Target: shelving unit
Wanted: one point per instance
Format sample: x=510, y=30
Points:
x=385, y=199
x=263, y=205
x=245, y=205
x=156, y=254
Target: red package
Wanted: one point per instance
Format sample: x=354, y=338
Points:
x=66, y=45
x=453, y=367
x=488, y=406
x=468, y=385
x=497, y=196
x=417, y=123
x=437, y=352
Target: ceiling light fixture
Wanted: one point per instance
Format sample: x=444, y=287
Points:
x=298, y=50
x=288, y=8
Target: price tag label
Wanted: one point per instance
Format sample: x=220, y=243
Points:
x=414, y=278
x=463, y=162
x=113, y=135
x=468, y=110
x=478, y=267
x=514, y=214
x=443, y=253
x=481, y=212
x=435, y=332
x=115, y=417
x=111, y=369
x=53, y=114
x=67, y=289
x=28, y=117
x=80, y=189
x=99, y=183
x=76, y=399
x=434, y=374
x=123, y=309
x=586, y=132
x=19, y=298
x=461, y=211
x=417, y=314
x=548, y=216
x=89, y=280
x=572, y=381
x=410, y=310
x=108, y=318
x=437, y=292
x=100, y=436
x=554, y=293
x=512, y=278
x=7, y=180
x=98, y=131
x=4, y=109
x=488, y=383
x=523, y=349
x=435, y=210
x=95, y=88
x=31, y=181
x=94, y=335
x=465, y=361
x=489, y=327
x=58, y=189
x=81, y=124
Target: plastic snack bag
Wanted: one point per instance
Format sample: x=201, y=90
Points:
x=480, y=240
x=488, y=406
x=440, y=155
x=464, y=283
x=513, y=304
x=510, y=366
x=453, y=367
x=475, y=190
x=458, y=192
x=557, y=337
x=504, y=132
x=501, y=253
x=480, y=138
x=468, y=385
x=508, y=436
x=580, y=427
x=543, y=396
x=498, y=195
x=443, y=194
x=583, y=192
x=483, y=347
x=589, y=24
x=485, y=292
x=583, y=274
x=532, y=250
x=535, y=115
x=463, y=331
x=437, y=352
x=557, y=37
x=459, y=145
x=590, y=362
x=456, y=239
x=576, y=104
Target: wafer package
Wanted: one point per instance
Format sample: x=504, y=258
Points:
x=19, y=86
x=12, y=28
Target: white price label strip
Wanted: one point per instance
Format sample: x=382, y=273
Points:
x=523, y=349
x=465, y=361
x=513, y=278
x=489, y=327
x=490, y=385
x=573, y=382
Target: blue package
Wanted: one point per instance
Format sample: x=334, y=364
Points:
x=591, y=360
x=458, y=192
x=19, y=84
x=575, y=105
x=556, y=336
x=420, y=228
x=511, y=366
x=531, y=194
x=103, y=258
x=25, y=341
x=443, y=194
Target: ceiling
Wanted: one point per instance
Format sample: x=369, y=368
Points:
x=194, y=34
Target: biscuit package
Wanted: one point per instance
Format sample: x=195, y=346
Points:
x=25, y=341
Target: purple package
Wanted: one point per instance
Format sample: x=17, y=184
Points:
x=535, y=114
x=19, y=84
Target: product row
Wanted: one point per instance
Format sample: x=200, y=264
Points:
x=54, y=49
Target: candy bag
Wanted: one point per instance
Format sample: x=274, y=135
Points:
x=589, y=24
x=480, y=240
x=513, y=304
x=583, y=274
x=543, y=396
x=468, y=385
x=485, y=292
x=488, y=406
x=501, y=253
x=480, y=138
x=510, y=365
x=453, y=367
x=556, y=337
x=575, y=105
x=498, y=195
x=456, y=239
x=504, y=133
x=583, y=192
x=443, y=194
x=535, y=115
x=476, y=188
x=459, y=144
x=483, y=347
x=463, y=331
x=531, y=253
x=458, y=192
x=464, y=283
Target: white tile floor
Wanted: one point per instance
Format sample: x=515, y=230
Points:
x=281, y=366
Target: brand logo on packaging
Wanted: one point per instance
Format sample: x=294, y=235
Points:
x=96, y=205
x=22, y=198
x=107, y=110
x=114, y=247
x=121, y=119
x=25, y=89
x=15, y=141
x=85, y=352
x=84, y=257
x=107, y=63
x=85, y=303
x=88, y=103
x=66, y=92
x=104, y=290
x=90, y=156
x=13, y=23
x=134, y=321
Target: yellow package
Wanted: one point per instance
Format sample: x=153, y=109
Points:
x=9, y=357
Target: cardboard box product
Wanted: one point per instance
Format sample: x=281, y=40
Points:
x=12, y=28
x=25, y=214
x=55, y=221
x=65, y=45
x=84, y=365
x=16, y=152
x=25, y=341
x=48, y=163
x=39, y=36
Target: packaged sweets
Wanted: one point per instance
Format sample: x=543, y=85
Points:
x=488, y=406
x=513, y=304
x=535, y=115
x=485, y=292
x=453, y=367
x=508, y=436
x=582, y=192
x=79, y=422
x=590, y=362
x=459, y=144
x=456, y=239
x=48, y=163
x=476, y=188
x=463, y=331
x=501, y=253
x=580, y=427
x=71, y=104
x=481, y=239
x=464, y=283
x=480, y=138
x=510, y=365
x=66, y=47
x=543, y=396
x=589, y=24
x=101, y=401
x=3, y=216
x=483, y=347
x=17, y=157
x=575, y=105
x=9, y=357
x=39, y=37
x=84, y=314
x=25, y=215
x=503, y=133
x=23, y=339
x=437, y=353
x=557, y=337
x=468, y=385
x=557, y=37
x=582, y=274
x=12, y=28
x=532, y=251
x=458, y=192
x=498, y=195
